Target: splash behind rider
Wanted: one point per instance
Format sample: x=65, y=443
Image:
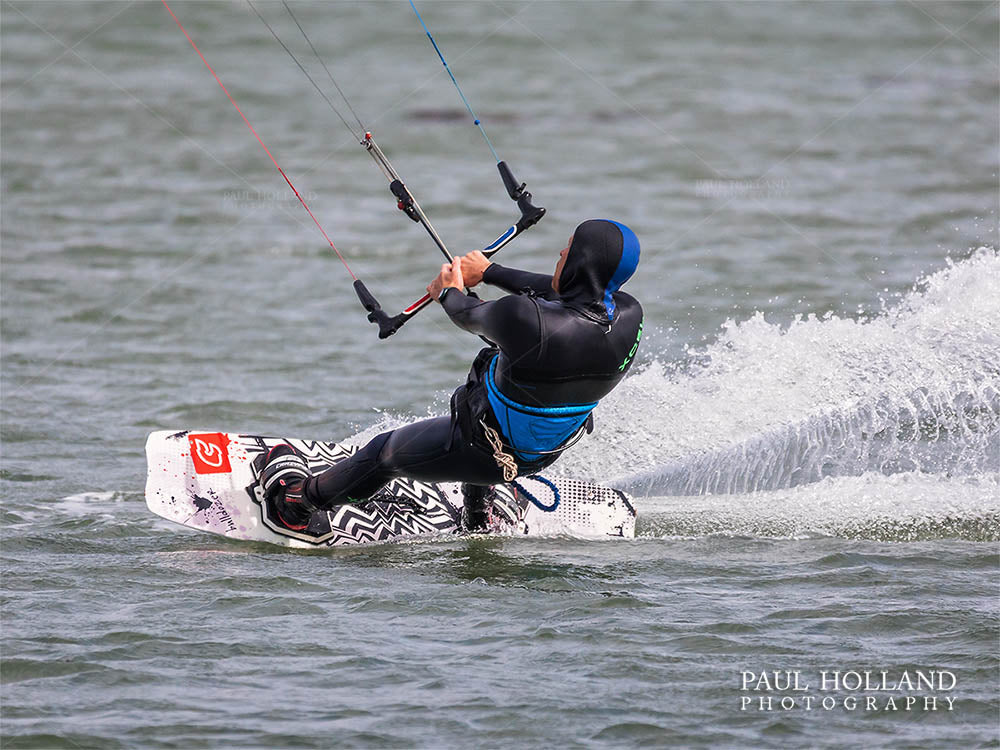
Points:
x=561, y=343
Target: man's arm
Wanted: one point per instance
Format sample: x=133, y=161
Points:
x=503, y=322
x=516, y=281
x=477, y=267
x=507, y=322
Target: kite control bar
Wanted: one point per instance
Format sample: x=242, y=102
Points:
x=530, y=215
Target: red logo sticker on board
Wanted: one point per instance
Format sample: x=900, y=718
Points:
x=210, y=453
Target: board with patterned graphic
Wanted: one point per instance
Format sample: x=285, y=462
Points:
x=210, y=481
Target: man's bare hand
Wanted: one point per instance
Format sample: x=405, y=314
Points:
x=451, y=275
x=473, y=266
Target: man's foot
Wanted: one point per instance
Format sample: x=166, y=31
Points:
x=283, y=480
x=478, y=502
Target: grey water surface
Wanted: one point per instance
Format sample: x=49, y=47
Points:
x=812, y=431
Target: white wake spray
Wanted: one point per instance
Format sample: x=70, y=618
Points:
x=915, y=389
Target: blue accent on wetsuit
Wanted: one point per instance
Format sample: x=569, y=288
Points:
x=533, y=431
x=626, y=266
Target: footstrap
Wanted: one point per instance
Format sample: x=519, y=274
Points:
x=289, y=467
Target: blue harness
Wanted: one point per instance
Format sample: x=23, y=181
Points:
x=532, y=431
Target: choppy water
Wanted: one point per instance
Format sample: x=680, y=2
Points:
x=812, y=433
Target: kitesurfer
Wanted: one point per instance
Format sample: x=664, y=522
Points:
x=560, y=344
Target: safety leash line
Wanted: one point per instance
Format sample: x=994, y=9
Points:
x=535, y=500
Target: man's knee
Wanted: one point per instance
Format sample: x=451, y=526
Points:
x=373, y=449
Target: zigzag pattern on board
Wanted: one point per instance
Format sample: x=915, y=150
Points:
x=381, y=521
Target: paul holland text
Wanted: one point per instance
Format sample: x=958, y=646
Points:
x=851, y=690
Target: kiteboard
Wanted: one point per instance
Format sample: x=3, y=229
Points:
x=210, y=481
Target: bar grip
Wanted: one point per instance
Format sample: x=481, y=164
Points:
x=386, y=325
x=509, y=181
x=368, y=300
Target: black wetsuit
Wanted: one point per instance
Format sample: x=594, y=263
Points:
x=551, y=350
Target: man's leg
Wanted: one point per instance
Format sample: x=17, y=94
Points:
x=352, y=480
x=476, y=502
x=295, y=494
x=426, y=451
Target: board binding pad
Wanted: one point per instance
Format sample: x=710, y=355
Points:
x=210, y=481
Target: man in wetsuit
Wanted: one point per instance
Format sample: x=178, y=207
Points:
x=560, y=344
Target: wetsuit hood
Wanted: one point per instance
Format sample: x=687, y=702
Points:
x=603, y=256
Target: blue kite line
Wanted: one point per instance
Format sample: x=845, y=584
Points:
x=452, y=76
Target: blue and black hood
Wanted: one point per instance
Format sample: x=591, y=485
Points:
x=603, y=255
